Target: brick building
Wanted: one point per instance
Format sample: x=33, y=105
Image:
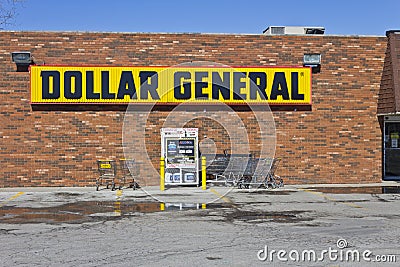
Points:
x=338, y=138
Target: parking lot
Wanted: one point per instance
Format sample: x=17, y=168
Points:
x=318, y=225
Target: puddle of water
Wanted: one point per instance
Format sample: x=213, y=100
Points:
x=358, y=190
x=261, y=217
x=91, y=211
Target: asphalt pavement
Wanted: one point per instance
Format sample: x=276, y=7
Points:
x=307, y=225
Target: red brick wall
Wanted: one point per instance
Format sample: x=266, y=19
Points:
x=337, y=141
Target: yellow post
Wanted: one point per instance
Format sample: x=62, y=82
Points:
x=203, y=173
x=162, y=174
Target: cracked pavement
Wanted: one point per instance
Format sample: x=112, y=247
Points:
x=191, y=227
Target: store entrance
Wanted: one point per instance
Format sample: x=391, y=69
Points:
x=391, y=148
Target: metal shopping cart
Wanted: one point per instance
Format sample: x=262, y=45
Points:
x=216, y=168
x=239, y=168
x=273, y=180
x=107, y=174
x=227, y=169
x=129, y=172
x=261, y=173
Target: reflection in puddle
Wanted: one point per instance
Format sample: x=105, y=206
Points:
x=182, y=206
x=91, y=211
x=358, y=190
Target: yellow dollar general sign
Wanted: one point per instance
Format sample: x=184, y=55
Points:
x=114, y=85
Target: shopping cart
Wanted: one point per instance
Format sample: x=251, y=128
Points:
x=273, y=180
x=261, y=173
x=107, y=174
x=129, y=171
x=227, y=169
x=216, y=168
x=239, y=168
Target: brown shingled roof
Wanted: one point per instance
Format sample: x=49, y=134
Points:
x=389, y=93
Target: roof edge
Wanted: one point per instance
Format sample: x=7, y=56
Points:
x=198, y=33
x=388, y=32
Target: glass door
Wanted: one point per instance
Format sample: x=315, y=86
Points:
x=391, y=150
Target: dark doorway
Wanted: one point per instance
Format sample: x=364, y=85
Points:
x=391, y=148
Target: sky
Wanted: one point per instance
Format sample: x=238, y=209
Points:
x=350, y=17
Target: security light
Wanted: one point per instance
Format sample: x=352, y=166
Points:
x=313, y=61
x=22, y=59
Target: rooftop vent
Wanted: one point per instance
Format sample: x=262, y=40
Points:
x=281, y=30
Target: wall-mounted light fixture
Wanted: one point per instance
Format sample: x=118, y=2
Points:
x=23, y=60
x=313, y=61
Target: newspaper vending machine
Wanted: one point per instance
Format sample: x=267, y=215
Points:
x=179, y=148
